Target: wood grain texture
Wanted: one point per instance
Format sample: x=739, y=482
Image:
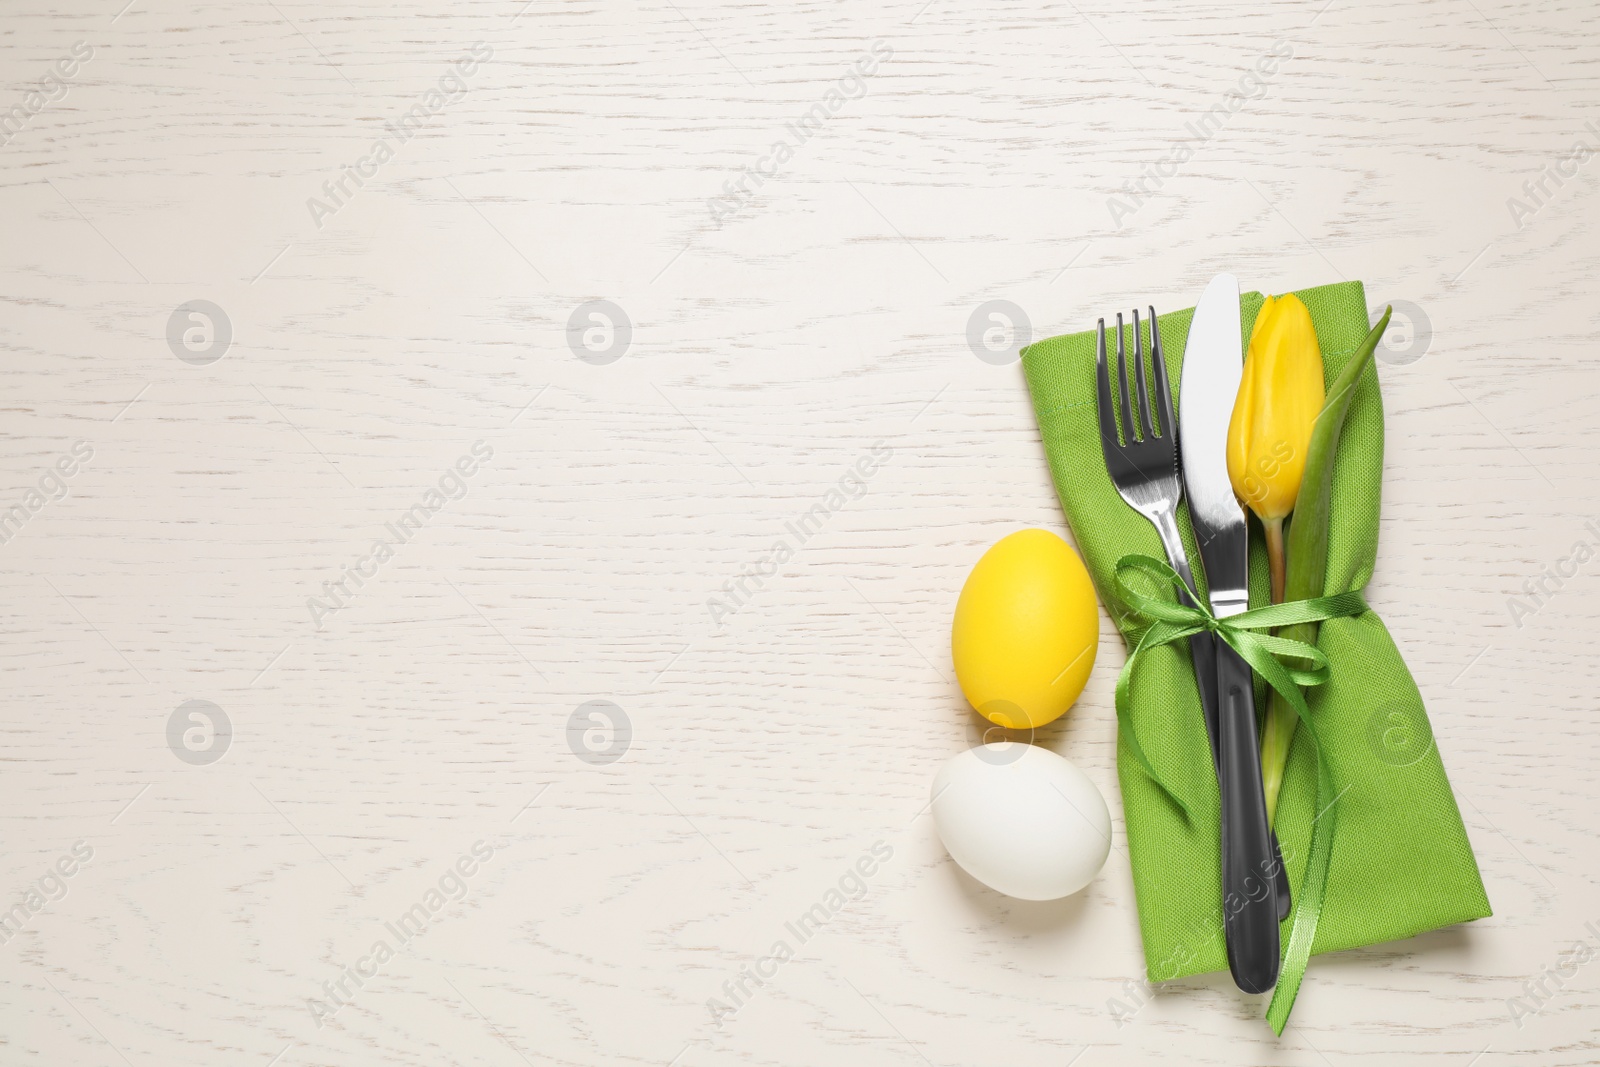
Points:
x=770, y=352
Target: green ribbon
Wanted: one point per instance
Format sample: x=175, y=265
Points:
x=1172, y=620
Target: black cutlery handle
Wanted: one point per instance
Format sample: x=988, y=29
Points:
x=1203, y=653
x=1280, y=880
x=1203, y=656
x=1249, y=891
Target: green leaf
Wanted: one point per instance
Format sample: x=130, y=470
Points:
x=1308, y=545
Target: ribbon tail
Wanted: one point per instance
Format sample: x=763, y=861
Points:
x=1125, y=728
x=1310, y=897
x=1172, y=621
x=1313, y=886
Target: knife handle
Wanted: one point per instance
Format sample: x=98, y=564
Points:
x=1203, y=654
x=1249, y=890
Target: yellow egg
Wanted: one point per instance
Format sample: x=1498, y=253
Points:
x=1026, y=630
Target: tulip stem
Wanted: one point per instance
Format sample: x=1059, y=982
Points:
x=1275, y=741
x=1280, y=722
x=1275, y=560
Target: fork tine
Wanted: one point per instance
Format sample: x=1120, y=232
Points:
x=1108, y=420
x=1130, y=434
x=1163, y=384
x=1144, y=389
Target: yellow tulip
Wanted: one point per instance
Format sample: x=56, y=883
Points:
x=1279, y=398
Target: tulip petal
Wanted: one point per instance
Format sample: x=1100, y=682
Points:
x=1280, y=395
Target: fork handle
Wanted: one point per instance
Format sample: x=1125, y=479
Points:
x=1249, y=891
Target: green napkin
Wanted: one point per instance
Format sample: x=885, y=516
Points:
x=1401, y=863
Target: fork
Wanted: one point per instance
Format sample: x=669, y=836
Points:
x=1143, y=459
x=1143, y=464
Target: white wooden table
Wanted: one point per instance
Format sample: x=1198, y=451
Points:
x=934, y=159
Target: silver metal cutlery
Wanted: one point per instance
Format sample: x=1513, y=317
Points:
x=1143, y=459
x=1149, y=465
x=1213, y=363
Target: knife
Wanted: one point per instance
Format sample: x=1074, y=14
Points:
x=1213, y=364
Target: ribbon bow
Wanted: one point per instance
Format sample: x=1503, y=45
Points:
x=1171, y=619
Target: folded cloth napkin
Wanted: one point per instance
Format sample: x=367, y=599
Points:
x=1400, y=862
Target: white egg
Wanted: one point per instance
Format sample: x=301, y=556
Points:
x=1021, y=820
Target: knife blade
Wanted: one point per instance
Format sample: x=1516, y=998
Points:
x=1213, y=365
